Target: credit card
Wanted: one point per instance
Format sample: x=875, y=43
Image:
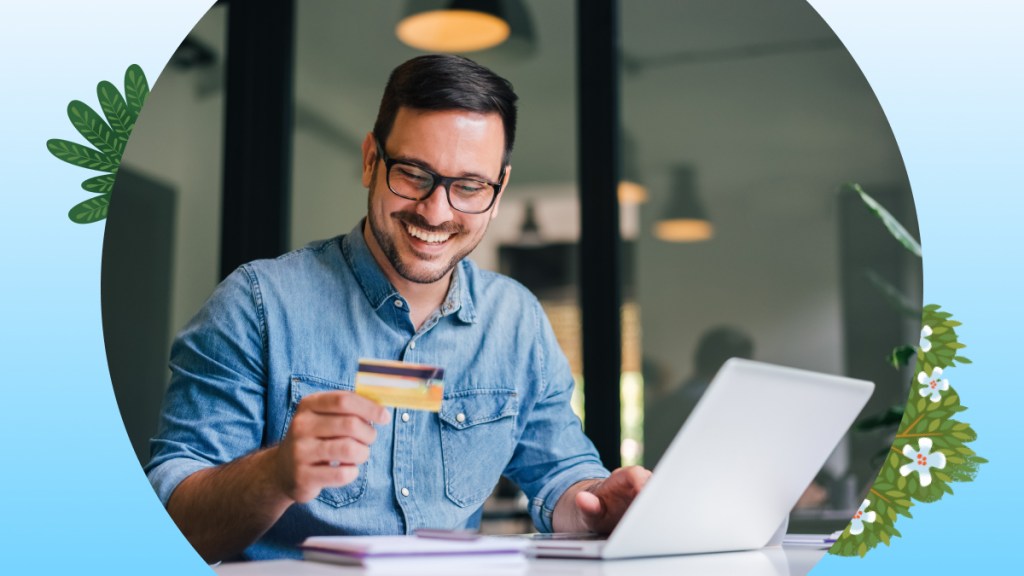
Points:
x=401, y=384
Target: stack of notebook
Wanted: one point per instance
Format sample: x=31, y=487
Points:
x=423, y=555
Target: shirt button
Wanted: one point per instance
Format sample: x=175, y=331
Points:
x=405, y=417
x=412, y=345
x=398, y=303
x=460, y=417
x=405, y=491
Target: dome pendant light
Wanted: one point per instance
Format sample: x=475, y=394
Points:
x=685, y=219
x=453, y=25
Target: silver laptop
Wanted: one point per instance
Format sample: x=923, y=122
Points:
x=735, y=469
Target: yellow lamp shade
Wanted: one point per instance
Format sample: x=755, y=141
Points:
x=684, y=219
x=631, y=192
x=452, y=30
x=684, y=230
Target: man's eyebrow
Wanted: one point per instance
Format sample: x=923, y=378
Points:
x=427, y=166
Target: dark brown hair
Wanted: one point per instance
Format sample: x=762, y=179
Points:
x=447, y=82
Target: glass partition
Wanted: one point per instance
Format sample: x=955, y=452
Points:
x=743, y=121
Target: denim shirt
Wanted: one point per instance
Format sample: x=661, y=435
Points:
x=277, y=330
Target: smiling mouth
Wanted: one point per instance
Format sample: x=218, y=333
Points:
x=426, y=236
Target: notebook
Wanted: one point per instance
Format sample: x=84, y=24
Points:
x=735, y=469
x=418, y=555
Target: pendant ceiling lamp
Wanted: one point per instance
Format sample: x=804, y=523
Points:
x=454, y=25
x=684, y=220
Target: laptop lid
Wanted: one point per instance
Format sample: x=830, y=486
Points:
x=737, y=466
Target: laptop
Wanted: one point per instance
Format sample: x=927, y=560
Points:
x=735, y=469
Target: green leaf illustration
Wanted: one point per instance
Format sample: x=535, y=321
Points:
x=92, y=210
x=886, y=508
x=893, y=492
x=945, y=347
x=109, y=136
x=891, y=223
x=136, y=89
x=116, y=111
x=100, y=184
x=92, y=126
x=81, y=156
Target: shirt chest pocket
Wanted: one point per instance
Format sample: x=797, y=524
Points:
x=300, y=387
x=477, y=440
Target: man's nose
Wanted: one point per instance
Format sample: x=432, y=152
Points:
x=436, y=208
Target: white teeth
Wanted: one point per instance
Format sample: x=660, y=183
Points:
x=434, y=237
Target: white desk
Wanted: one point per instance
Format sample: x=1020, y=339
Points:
x=767, y=562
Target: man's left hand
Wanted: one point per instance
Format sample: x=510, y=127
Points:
x=597, y=506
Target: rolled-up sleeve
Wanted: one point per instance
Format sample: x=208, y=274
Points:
x=553, y=453
x=213, y=411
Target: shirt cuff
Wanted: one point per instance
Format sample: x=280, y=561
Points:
x=167, y=475
x=542, y=507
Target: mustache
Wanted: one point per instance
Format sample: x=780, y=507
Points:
x=420, y=222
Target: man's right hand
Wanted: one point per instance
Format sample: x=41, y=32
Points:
x=223, y=509
x=329, y=437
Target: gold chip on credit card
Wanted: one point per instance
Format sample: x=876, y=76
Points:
x=401, y=384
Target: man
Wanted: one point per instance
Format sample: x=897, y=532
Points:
x=262, y=441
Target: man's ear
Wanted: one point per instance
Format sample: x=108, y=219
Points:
x=504, y=190
x=369, y=158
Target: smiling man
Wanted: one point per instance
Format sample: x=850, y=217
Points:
x=417, y=236
x=262, y=440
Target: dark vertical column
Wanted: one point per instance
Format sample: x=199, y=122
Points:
x=599, y=280
x=257, y=131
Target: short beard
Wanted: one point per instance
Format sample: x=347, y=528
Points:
x=387, y=246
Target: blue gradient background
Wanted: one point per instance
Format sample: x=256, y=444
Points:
x=72, y=497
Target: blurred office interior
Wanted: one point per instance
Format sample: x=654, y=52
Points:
x=738, y=125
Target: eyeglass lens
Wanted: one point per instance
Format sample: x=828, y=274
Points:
x=465, y=195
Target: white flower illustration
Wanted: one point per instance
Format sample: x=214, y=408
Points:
x=925, y=343
x=933, y=385
x=922, y=461
x=862, y=516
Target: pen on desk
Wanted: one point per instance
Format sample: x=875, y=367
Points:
x=441, y=534
x=811, y=539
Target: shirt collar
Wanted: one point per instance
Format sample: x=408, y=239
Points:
x=459, y=299
x=378, y=288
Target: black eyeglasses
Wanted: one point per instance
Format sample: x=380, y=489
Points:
x=413, y=182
